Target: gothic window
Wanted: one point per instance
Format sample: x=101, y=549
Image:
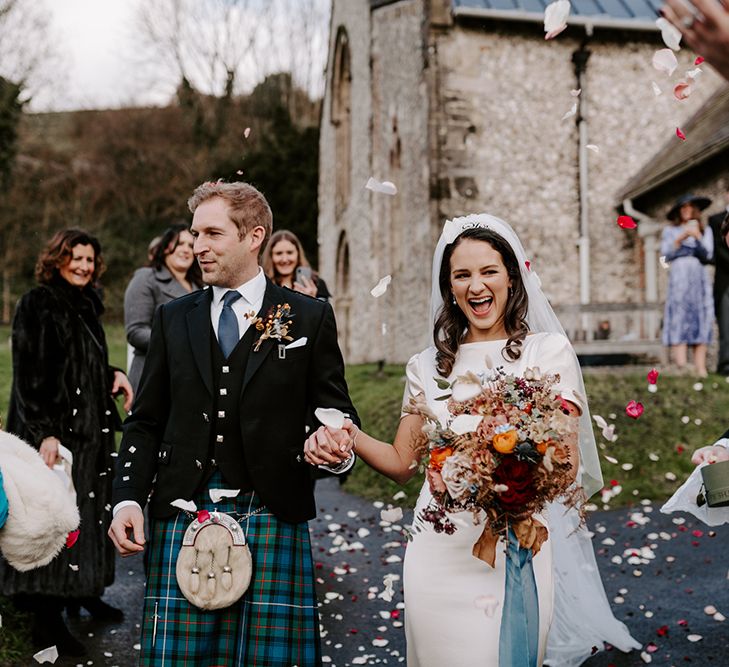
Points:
x=342, y=294
x=342, y=119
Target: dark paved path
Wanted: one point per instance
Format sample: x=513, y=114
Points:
x=661, y=595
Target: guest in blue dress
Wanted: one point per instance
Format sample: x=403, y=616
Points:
x=688, y=245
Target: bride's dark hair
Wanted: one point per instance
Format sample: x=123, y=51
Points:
x=451, y=324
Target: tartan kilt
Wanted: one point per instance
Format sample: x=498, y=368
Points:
x=276, y=622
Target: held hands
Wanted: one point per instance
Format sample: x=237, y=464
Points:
x=49, y=450
x=710, y=454
x=121, y=385
x=128, y=523
x=329, y=446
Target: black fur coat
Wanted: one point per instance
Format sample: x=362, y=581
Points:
x=61, y=387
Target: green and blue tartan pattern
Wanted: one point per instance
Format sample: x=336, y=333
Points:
x=276, y=622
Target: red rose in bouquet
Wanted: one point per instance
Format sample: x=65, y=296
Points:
x=518, y=476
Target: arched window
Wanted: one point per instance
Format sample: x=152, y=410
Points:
x=342, y=294
x=342, y=119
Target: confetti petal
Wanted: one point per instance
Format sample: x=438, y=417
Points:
x=182, y=504
x=465, y=424
x=49, y=654
x=216, y=495
x=391, y=515
x=385, y=188
x=593, y=147
x=626, y=222
x=247, y=132
x=72, y=538
x=381, y=287
x=664, y=60
x=488, y=603
x=203, y=516
x=634, y=409
x=680, y=134
x=656, y=90
x=555, y=18
x=330, y=417
x=652, y=376
x=682, y=90
x=571, y=112
x=698, y=60
x=670, y=34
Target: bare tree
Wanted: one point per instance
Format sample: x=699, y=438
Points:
x=28, y=53
x=219, y=45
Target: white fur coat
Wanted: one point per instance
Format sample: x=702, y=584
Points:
x=41, y=510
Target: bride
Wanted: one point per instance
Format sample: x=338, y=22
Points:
x=488, y=311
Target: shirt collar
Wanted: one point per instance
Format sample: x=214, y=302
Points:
x=251, y=291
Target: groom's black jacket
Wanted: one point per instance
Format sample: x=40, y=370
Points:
x=169, y=432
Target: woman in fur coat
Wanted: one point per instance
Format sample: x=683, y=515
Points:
x=62, y=395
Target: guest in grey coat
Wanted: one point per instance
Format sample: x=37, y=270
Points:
x=174, y=272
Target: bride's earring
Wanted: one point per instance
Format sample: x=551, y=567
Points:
x=454, y=299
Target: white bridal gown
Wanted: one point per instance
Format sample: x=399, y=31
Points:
x=442, y=579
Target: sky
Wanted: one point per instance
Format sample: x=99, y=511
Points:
x=97, y=41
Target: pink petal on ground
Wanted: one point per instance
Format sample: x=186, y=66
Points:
x=652, y=376
x=680, y=134
x=698, y=61
x=626, y=222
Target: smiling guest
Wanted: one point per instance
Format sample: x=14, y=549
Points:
x=284, y=262
x=173, y=273
x=62, y=395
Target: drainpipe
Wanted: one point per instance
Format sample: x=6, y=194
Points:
x=579, y=60
x=648, y=230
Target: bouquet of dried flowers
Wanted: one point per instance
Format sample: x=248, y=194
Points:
x=503, y=455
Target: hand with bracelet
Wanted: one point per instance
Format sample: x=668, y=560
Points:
x=331, y=447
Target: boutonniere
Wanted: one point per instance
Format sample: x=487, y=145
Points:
x=274, y=325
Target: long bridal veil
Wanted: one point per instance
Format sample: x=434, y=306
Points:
x=582, y=618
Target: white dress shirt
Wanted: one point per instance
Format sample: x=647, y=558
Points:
x=251, y=300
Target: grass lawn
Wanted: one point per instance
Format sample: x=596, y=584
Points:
x=677, y=419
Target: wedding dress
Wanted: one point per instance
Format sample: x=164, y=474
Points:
x=454, y=601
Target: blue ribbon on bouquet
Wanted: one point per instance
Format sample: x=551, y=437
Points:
x=519, y=635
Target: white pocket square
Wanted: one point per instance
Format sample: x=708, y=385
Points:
x=299, y=342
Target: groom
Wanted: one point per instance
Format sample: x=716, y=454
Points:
x=225, y=403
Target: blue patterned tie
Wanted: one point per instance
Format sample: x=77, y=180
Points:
x=228, y=324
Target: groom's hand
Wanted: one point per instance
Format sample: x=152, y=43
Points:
x=127, y=523
x=328, y=446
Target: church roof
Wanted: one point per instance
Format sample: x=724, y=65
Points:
x=707, y=135
x=621, y=14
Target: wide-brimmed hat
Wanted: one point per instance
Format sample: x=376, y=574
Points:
x=699, y=202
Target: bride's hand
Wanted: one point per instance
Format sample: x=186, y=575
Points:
x=328, y=446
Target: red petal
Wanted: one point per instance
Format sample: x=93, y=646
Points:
x=699, y=60
x=626, y=222
x=652, y=376
x=528, y=264
x=72, y=538
x=203, y=515
x=680, y=134
x=634, y=409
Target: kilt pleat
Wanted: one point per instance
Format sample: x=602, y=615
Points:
x=276, y=622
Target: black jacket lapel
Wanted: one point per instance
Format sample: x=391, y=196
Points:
x=198, y=328
x=273, y=296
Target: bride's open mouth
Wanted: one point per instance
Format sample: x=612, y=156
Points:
x=481, y=306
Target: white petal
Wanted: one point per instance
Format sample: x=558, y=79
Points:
x=694, y=73
x=656, y=90
x=576, y=92
x=555, y=17
x=385, y=188
x=694, y=638
x=216, y=495
x=330, y=417
x=391, y=515
x=670, y=34
x=49, y=654
x=488, y=603
x=463, y=390
x=465, y=424
x=379, y=643
x=183, y=504
x=593, y=147
x=664, y=60
x=600, y=421
x=571, y=112
x=381, y=287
